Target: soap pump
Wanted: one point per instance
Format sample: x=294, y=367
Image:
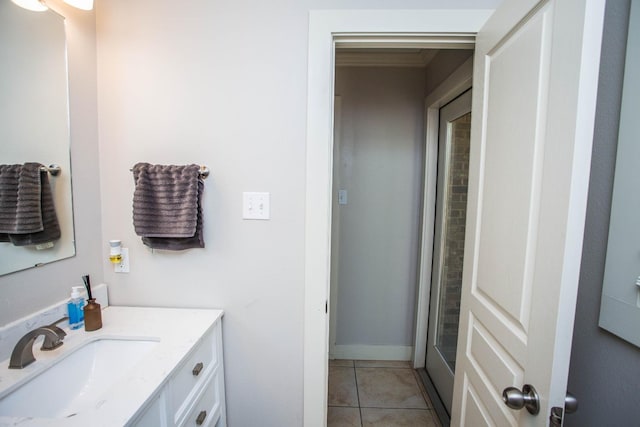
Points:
x=74, y=308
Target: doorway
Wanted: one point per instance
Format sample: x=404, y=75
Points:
x=377, y=179
x=565, y=130
x=416, y=28
x=373, y=163
x=383, y=196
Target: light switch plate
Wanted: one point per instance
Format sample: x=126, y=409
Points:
x=342, y=197
x=255, y=205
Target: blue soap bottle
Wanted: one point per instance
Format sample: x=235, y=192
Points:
x=74, y=307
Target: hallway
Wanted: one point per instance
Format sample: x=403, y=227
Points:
x=366, y=393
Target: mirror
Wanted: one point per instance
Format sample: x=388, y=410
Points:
x=34, y=118
x=620, y=303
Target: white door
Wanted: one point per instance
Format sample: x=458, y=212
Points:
x=448, y=251
x=535, y=79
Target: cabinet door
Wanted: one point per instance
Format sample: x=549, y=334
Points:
x=155, y=415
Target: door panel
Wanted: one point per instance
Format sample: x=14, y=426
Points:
x=508, y=224
x=535, y=83
x=476, y=414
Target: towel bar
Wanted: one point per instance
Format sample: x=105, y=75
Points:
x=204, y=171
x=54, y=170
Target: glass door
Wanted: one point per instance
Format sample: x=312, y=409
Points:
x=448, y=254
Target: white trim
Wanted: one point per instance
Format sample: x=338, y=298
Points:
x=335, y=233
x=454, y=40
x=373, y=352
x=458, y=82
x=323, y=25
x=419, y=59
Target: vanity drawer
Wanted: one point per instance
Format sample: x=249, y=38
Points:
x=207, y=410
x=192, y=372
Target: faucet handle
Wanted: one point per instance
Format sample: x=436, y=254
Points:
x=53, y=341
x=59, y=331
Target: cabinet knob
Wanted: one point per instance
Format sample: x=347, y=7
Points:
x=196, y=369
x=201, y=416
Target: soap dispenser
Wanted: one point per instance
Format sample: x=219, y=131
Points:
x=75, y=308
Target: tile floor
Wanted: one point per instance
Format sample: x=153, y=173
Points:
x=364, y=393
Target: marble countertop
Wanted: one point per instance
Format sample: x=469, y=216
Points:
x=177, y=332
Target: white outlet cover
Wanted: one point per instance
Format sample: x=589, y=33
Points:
x=123, y=267
x=255, y=205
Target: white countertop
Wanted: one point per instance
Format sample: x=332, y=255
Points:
x=177, y=332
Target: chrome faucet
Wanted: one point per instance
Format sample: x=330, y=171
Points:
x=23, y=351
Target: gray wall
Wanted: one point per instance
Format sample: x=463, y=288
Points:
x=443, y=64
x=605, y=370
x=380, y=164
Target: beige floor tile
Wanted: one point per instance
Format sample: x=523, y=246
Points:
x=343, y=417
x=375, y=417
x=388, y=388
x=342, y=387
x=345, y=363
x=382, y=364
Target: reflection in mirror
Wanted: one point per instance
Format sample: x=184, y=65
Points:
x=34, y=118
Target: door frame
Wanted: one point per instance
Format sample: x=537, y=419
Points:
x=335, y=234
x=349, y=28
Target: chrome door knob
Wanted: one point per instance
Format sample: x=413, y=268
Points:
x=527, y=398
x=570, y=403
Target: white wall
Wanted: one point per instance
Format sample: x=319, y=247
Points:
x=216, y=82
x=222, y=83
x=380, y=164
x=24, y=292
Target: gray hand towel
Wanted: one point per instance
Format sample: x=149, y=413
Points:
x=167, y=209
x=27, y=211
x=20, y=198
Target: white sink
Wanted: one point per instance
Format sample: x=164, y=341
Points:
x=77, y=381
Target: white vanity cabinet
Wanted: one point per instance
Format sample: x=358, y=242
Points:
x=175, y=379
x=193, y=394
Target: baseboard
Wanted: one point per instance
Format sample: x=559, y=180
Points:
x=372, y=352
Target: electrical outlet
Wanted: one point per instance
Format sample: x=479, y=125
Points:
x=123, y=266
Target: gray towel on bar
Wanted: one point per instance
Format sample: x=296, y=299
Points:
x=9, y=178
x=27, y=211
x=167, y=209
